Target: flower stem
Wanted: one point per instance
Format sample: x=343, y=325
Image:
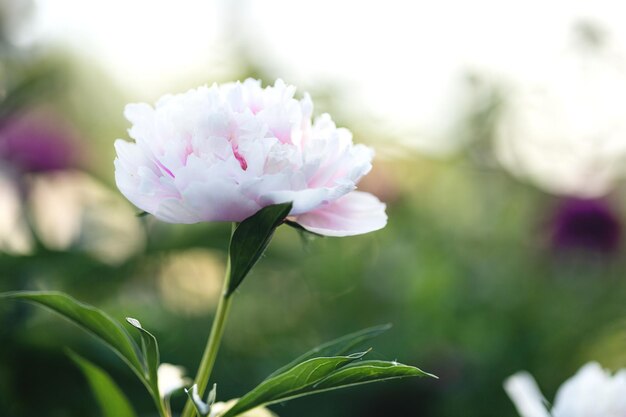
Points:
x=163, y=407
x=213, y=343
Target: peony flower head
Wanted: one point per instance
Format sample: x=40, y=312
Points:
x=222, y=153
x=592, y=392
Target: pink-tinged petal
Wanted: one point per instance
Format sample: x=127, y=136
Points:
x=353, y=214
x=307, y=200
x=130, y=173
x=219, y=200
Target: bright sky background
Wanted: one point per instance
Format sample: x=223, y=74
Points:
x=401, y=61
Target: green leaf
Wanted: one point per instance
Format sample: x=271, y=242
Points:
x=250, y=240
x=360, y=373
x=365, y=372
x=112, y=401
x=284, y=385
x=323, y=369
x=337, y=347
x=90, y=319
x=343, y=376
x=150, y=349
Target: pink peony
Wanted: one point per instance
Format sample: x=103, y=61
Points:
x=224, y=152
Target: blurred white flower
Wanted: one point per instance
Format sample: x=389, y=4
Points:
x=171, y=378
x=72, y=210
x=592, y=392
x=190, y=281
x=13, y=16
x=565, y=130
x=15, y=236
x=224, y=152
x=220, y=408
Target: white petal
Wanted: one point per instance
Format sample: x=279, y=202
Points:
x=525, y=394
x=171, y=378
x=592, y=392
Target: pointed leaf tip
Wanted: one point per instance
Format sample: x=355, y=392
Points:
x=151, y=359
x=340, y=346
x=134, y=322
x=204, y=409
x=212, y=395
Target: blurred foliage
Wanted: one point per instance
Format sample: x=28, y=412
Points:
x=465, y=271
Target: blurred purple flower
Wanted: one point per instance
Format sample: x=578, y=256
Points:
x=589, y=224
x=37, y=141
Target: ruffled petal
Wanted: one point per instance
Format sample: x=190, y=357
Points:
x=353, y=214
x=219, y=200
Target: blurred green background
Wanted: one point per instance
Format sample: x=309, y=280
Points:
x=481, y=271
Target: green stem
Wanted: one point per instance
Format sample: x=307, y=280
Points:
x=213, y=343
x=164, y=410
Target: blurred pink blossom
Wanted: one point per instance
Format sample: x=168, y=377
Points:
x=37, y=140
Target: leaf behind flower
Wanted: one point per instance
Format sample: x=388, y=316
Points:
x=250, y=240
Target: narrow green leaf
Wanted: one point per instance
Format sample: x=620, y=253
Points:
x=367, y=371
x=303, y=375
x=250, y=240
x=90, y=319
x=337, y=347
x=150, y=349
x=359, y=373
x=351, y=374
x=110, y=398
